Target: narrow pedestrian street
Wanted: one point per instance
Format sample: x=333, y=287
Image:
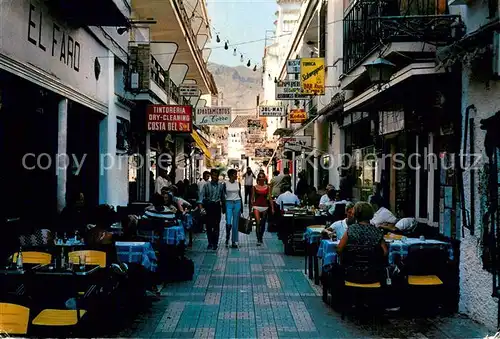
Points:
x=258, y=292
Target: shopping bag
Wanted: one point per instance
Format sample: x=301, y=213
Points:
x=244, y=225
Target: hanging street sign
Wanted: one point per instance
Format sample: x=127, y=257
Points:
x=189, y=90
x=312, y=76
x=296, y=143
x=271, y=111
x=297, y=116
x=169, y=118
x=290, y=90
x=293, y=66
x=213, y=116
x=264, y=152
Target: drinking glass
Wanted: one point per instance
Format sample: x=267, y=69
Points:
x=83, y=261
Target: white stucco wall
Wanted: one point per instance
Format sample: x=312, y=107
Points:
x=475, y=283
x=235, y=145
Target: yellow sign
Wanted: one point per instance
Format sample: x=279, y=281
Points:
x=297, y=116
x=312, y=76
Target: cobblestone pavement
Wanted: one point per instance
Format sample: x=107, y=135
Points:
x=258, y=292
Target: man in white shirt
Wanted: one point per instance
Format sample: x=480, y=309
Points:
x=287, y=197
x=248, y=179
x=204, y=180
x=325, y=198
x=338, y=228
x=161, y=181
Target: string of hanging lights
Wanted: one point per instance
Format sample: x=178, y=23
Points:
x=227, y=45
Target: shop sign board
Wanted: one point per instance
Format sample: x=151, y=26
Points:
x=297, y=116
x=264, y=152
x=213, y=116
x=312, y=76
x=170, y=118
x=189, y=90
x=271, y=111
x=32, y=35
x=390, y=122
x=293, y=66
x=254, y=126
x=296, y=143
x=290, y=90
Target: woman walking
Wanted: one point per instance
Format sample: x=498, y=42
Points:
x=232, y=191
x=262, y=201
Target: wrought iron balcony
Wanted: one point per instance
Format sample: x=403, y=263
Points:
x=370, y=24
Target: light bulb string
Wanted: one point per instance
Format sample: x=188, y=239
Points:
x=227, y=45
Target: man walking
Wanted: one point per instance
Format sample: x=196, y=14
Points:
x=248, y=178
x=212, y=201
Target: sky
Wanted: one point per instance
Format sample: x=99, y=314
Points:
x=240, y=21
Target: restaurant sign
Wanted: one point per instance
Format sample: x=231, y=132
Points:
x=312, y=76
x=271, y=111
x=297, y=116
x=170, y=118
x=289, y=90
x=213, y=116
x=293, y=66
x=296, y=143
x=189, y=90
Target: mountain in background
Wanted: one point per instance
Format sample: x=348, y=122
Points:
x=240, y=86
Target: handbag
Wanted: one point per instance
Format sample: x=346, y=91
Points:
x=244, y=225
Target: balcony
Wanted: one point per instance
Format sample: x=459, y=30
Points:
x=115, y=13
x=369, y=25
x=153, y=79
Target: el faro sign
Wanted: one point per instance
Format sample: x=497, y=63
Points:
x=169, y=118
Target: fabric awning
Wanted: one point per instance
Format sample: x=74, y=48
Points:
x=201, y=144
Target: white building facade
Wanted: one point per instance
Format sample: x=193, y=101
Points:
x=72, y=73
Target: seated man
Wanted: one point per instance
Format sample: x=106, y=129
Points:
x=287, y=197
x=338, y=228
x=161, y=208
x=403, y=226
x=325, y=198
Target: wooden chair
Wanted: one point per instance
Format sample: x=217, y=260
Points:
x=34, y=257
x=14, y=319
x=91, y=257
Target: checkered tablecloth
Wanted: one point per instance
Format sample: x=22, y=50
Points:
x=327, y=250
x=313, y=235
x=173, y=235
x=138, y=253
x=400, y=248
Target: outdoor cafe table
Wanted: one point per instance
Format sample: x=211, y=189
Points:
x=398, y=249
x=294, y=222
x=173, y=235
x=312, y=237
x=137, y=252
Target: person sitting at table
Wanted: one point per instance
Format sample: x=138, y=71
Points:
x=327, y=204
x=403, y=226
x=75, y=215
x=337, y=229
x=287, y=197
x=173, y=201
x=325, y=198
x=161, y=208
x=363, y=233
x=313, y=197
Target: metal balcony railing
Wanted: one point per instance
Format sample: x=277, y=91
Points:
x=370, y=24
x=161, y=78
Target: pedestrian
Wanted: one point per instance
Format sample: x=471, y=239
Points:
x=232, y=193
x=248, y=177
x=262, y=201
x=212, y=202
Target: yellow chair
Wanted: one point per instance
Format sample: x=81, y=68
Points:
x=14, y=318
x=424, y=280
x=33, y=257
x=91, y=257
x=372, y=285
x=392, y=236
x=54, y=317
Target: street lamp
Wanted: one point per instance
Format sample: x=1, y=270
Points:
x=380, y=71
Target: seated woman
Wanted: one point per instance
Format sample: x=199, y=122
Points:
x=326, y=204
x=337, y=229
x=359, y=244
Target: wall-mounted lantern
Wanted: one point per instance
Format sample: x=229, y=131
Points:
x=380, y=71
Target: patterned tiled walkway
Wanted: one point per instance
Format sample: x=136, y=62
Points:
x=258, y=292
